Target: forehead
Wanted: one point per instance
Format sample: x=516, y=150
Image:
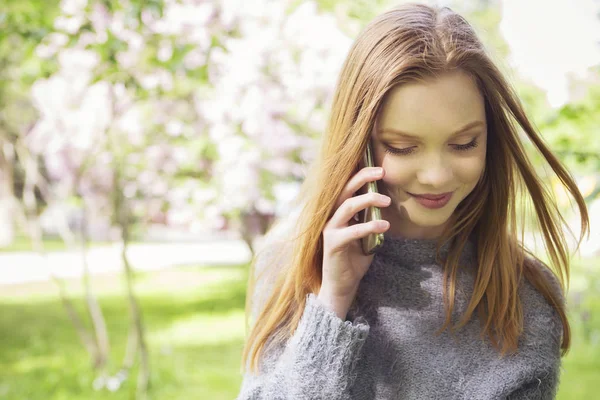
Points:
x=441, y=105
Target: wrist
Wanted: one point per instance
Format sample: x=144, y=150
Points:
x=338, y=305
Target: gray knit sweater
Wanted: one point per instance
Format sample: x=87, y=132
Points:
x=386, y=349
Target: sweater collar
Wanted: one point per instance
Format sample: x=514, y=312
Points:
x=410, y=252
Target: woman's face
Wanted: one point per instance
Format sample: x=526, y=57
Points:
x=438, y=129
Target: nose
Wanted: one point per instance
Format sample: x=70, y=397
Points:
x=435, y=172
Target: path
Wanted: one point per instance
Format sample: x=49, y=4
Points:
x=22, y=267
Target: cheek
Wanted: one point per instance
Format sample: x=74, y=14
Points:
x=469, y=171
x=402, y=174
x=398, y=173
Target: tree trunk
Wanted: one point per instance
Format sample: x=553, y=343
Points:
x=7, y=195
x=136, y=319
x=93, y=307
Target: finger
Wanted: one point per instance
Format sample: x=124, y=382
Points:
x=357, y=181
x=355, y=204
x=351, y=233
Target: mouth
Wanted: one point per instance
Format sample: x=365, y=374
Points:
x=431, y=196
x=432, y=201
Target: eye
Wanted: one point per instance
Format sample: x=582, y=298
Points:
x=394, y=150
x=464, y=147
x=409, y=150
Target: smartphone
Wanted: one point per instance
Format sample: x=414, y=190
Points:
x=371, y=243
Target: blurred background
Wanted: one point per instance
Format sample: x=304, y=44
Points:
x=147, y=145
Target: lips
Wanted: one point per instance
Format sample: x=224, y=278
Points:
x=433, y=201
x=431, y=196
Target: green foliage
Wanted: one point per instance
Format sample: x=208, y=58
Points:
x=486, y=21
x=573, y=131
x=360, y=10
x=23, y=24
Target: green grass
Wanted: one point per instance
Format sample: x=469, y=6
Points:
x=23, y=243
x=581, y=366
x=194, y=318
x=195, y=323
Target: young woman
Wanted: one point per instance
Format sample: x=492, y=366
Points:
x=333, y=323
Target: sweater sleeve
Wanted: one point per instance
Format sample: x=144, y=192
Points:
x=317, y=362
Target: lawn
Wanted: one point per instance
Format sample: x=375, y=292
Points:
x=195, y=320
x=23, y=243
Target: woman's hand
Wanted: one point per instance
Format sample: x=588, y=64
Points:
x=344, y=263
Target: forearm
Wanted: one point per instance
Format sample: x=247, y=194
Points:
x=318, y=361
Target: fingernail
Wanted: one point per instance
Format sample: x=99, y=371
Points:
x=378, y=171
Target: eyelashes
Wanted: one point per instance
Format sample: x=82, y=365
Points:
x=459, y=147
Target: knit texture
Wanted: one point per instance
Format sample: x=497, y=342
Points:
x=387, y=348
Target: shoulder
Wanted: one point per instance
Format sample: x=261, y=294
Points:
x=541, y=320
x=277, y=243
x=270, y=262
x=548, y=279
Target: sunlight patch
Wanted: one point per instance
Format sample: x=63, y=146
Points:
x=202, y=329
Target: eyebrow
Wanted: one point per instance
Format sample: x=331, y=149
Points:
x=465, y=128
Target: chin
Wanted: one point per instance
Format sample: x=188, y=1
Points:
x=428, y=218
x=421, y=216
